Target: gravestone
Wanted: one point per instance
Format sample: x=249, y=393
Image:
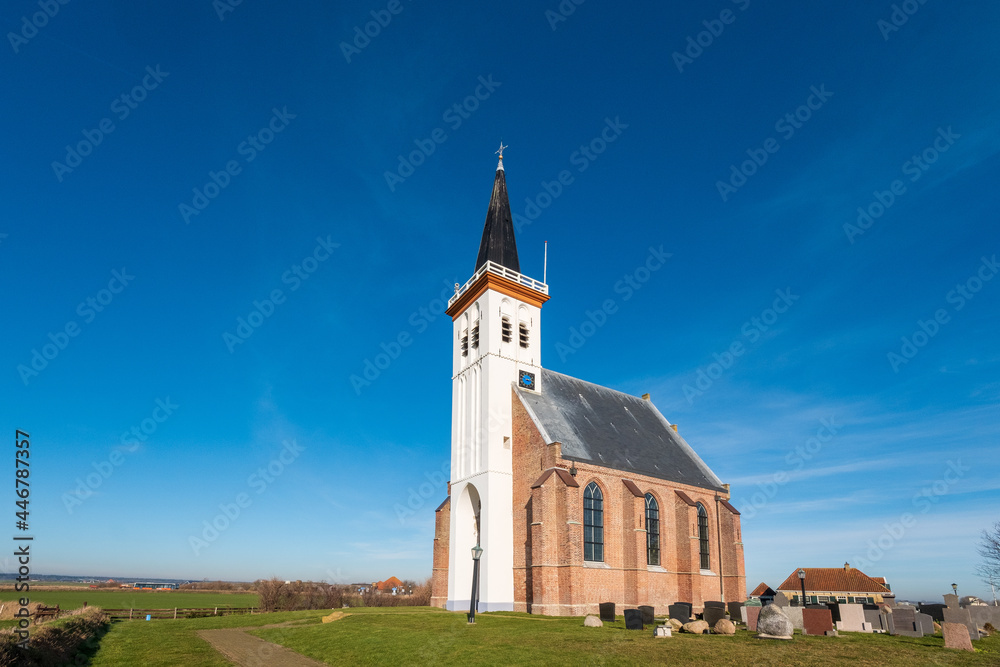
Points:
x=794, y=614
x=925, y=623
x=648, y=616
x=962, y=616
x=956, y=636
x=633, y=619
x=834, y=611
x=874, y=618
x=780, y=600
x=980, y=614
x=734, y=610
x=752, y=614
x=690, y=609
x=936, y=611
x=716, y=604
x=904, y=622
x=743, y=613
x=852, y=617
x=887, y=623
x=713, y=615
x=773, y=623
x=753, y=602
x=816, y=621
x=663, y=631
x=681, y=612
x=951, y=601
x=607, y=611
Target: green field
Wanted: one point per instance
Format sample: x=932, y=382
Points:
x=112, y=598
x=394, y=636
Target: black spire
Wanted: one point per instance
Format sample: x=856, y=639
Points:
x=498, y=233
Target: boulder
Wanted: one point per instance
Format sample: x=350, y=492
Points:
x=675, y=624
x=773, y=622
x=725, y=627
x=592, y=622
x=696, y=627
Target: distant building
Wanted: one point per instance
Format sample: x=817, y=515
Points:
x=764, y=593
x=835, y=584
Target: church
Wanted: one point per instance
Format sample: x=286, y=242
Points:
x=576, y=494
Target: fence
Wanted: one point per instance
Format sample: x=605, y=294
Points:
x=176, y=612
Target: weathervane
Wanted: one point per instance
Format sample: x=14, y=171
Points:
x=500, y=152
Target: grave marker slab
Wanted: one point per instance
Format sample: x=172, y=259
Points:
x=734, y=610
x=816, y=621
x=715, y=603
x=852, y=617
x=925, y=623
x=874, y=618
x=936, y=611
x=794, y=614
x=951, y=601
x=752, y=614
x=713, y=615
x=633, y=619
x=681, y=612
x=780, y=600
x=956, y=636
x=834, y=611
x=904, y=621
x=647, y=614
x=607, y=611
x=962, y=616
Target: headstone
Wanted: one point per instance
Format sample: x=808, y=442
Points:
x=834, y=611
x=753, y=603
x=962, y=616
x=647, y=614
x=936, y=611
x=743, y=613
x=633, y=619
x=724, y=627
x=887, y=621
x=715, y=603
x=592, y=622
x=874, y=618
x=852, y=616
x=773, y=623
x=925, y=623
x=904, y=622
x=867, y=627
x=679, y=611
x=663, y=631
x=752, y=614
x=956, y=636
x=980, y=614
x=735, y=610
x=951, y=601
x=794, y=614
x=690, y=608
x=713, y=615
x=608, y=611
x=816, y=621
x=696, y=627
x=780, y=600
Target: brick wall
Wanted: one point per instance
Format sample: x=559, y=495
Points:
x=442, y=533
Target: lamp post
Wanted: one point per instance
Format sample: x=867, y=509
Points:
x=802, y=580
x=477, y=553
x=954, y=587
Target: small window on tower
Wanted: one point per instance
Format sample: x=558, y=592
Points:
x=505, y=330
x=475, y=334
x=465, y=343
x=523, y=330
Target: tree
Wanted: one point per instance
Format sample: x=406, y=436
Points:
x=989, y=550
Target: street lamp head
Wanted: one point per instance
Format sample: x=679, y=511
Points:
x=802, y=573
x=954, y=587
x=477, y=552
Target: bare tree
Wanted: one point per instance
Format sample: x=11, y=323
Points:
x=989, y=550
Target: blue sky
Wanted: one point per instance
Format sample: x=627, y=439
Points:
x=256, y=156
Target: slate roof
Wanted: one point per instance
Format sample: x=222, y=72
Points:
x=497, y=244
x=833, y=579
x=612, y=429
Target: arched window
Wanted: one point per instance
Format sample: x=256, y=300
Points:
x=652, y=530
x=593, y=523
x=706, y=562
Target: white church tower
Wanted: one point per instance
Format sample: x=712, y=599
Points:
x=496, y=346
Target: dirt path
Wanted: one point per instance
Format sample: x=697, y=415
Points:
x=248, y=651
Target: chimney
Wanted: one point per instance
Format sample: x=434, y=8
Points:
x=645, y=397
x=674, y=426
x=847, y=566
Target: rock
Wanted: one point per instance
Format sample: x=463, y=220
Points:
x=675, y=624
x=593, y=622
x=725, y=627
x=773, y=622
x=696, y=627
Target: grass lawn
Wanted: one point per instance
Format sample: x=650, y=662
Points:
x=420, y=635
x=112, y=598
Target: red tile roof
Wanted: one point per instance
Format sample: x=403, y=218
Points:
x=763, y=589
x=388, y=584
x=833, y=579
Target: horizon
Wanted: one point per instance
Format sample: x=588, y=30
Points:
x=231, y=230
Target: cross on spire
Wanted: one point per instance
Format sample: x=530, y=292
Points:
x=500, y=153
